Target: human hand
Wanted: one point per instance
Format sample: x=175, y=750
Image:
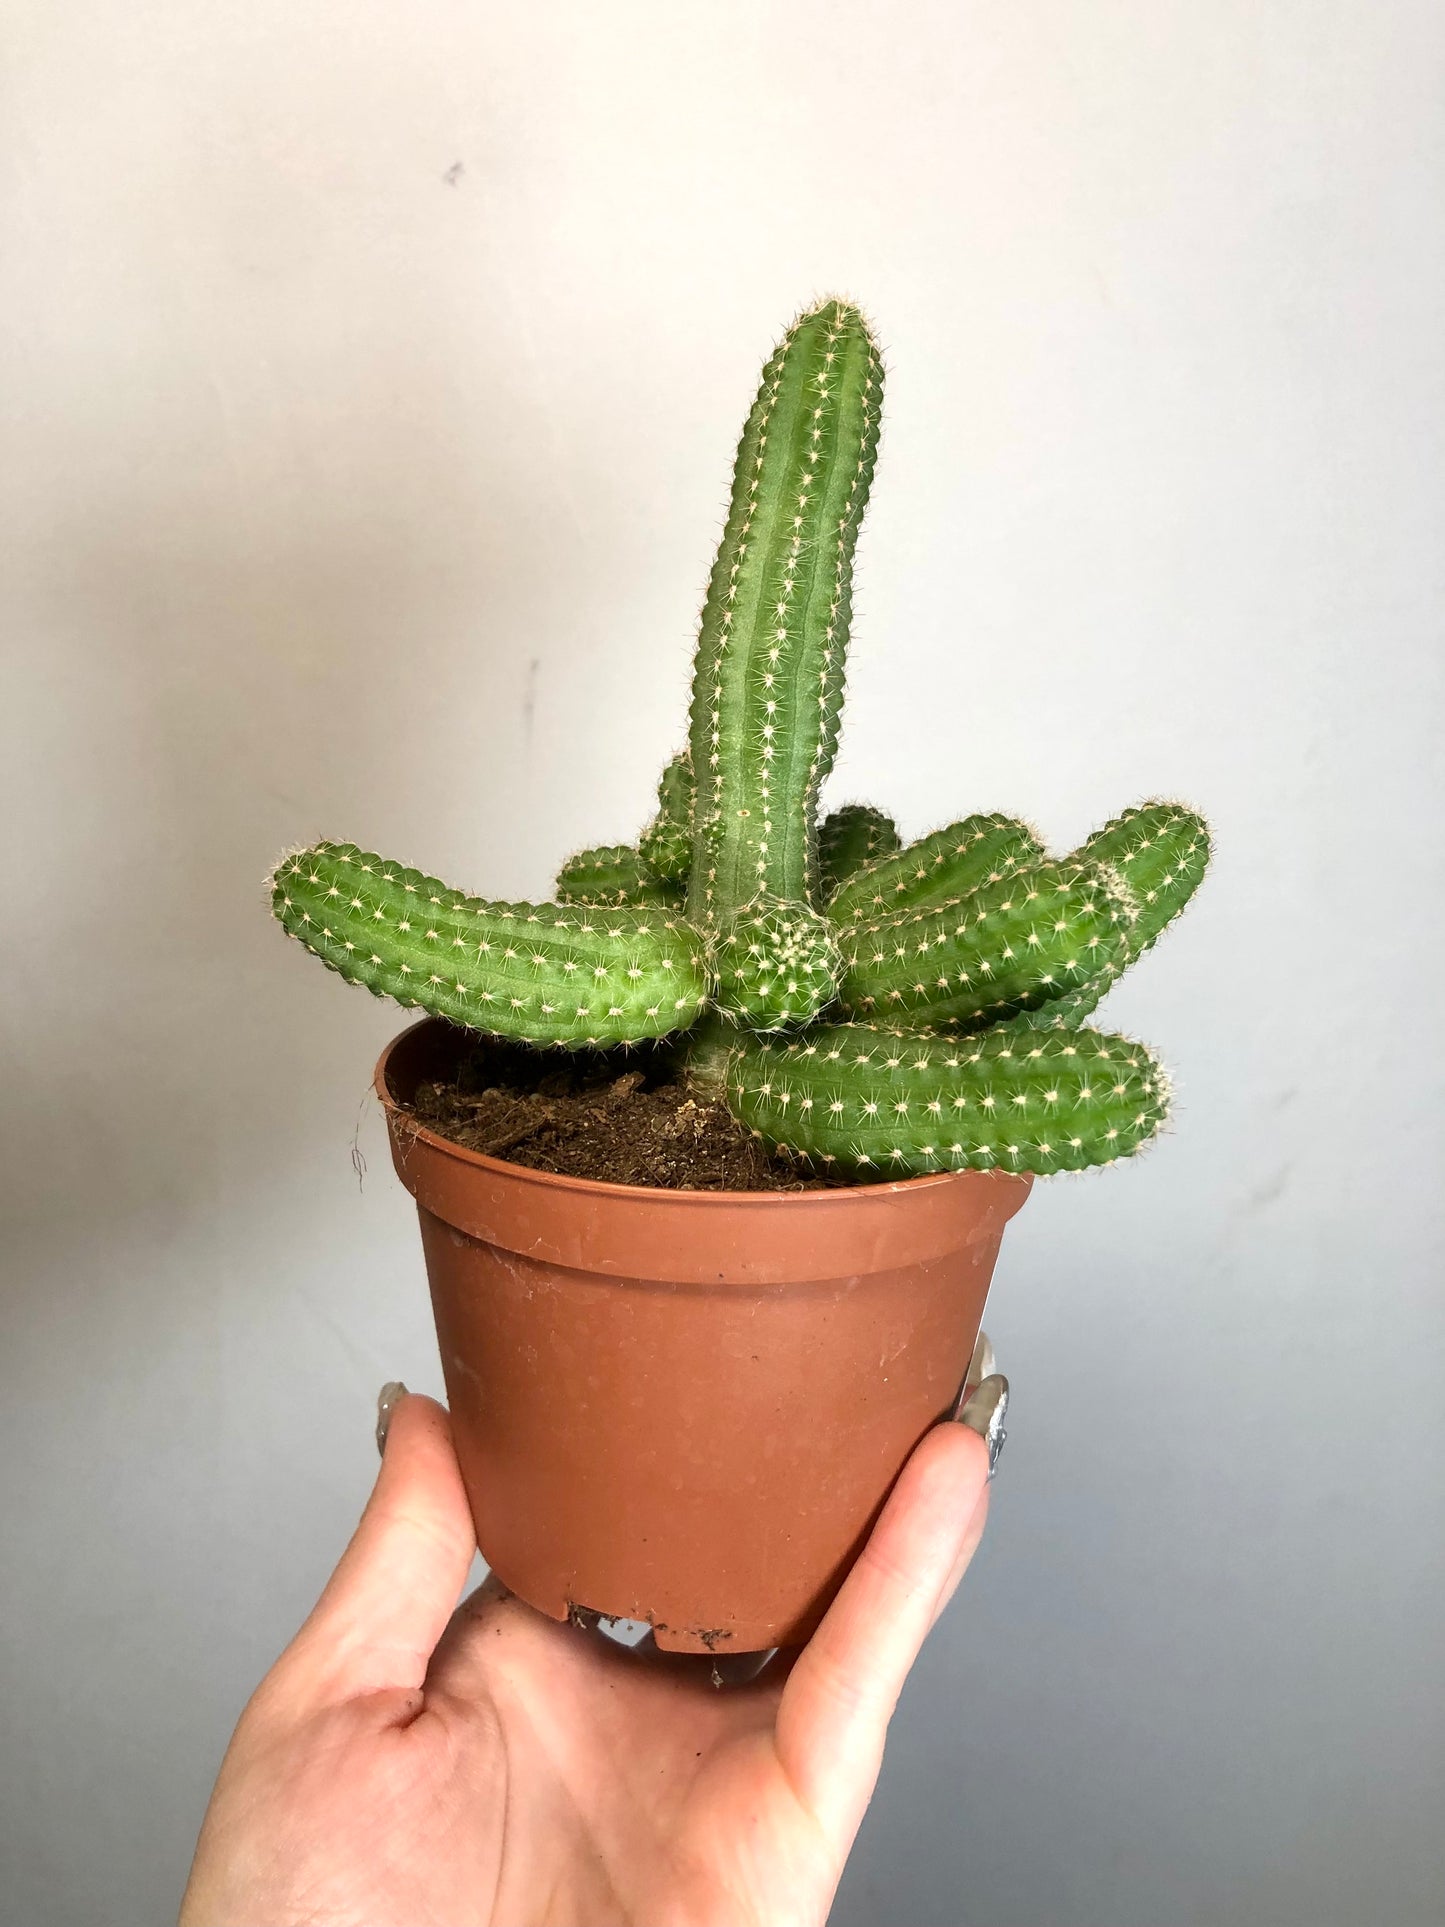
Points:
x=407, y=1765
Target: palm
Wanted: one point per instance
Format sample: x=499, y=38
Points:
x=632, y=1788
x=514, y=1772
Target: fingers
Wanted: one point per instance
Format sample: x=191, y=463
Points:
x=388, y=1602
x=842, y=1690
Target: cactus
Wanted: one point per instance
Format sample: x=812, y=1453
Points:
x=891, y=1010
x=613, y=874
x=849, y=838
x=768, y=679
x=1006, y=947
x=1161, y=851
x=538, y=972
x=936, y=869
x=898, y=1100
x=666, y=843
x=777, y=965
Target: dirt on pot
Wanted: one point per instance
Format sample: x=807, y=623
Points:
x=623, y=1118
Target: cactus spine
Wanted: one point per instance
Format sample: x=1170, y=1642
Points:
x=735, y=918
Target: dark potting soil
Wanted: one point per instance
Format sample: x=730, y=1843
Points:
x=623, y=1119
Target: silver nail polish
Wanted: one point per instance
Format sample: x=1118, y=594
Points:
x=983, y=1411
x=387, y=1400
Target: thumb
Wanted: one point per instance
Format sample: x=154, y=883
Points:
x=384, y=1608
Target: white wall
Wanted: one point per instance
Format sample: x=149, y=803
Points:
x=371, y=376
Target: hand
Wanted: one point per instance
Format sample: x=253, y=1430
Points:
x=405, y=1765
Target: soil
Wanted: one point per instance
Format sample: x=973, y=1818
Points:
x=622, y=1119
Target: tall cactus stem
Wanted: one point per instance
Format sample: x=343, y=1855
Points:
x=768, y=678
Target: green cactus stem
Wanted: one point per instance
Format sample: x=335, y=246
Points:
x=777, y=965
x=703, y=1055
x=849, y=838
x=768, y=678
x=907, y=1102
x=1007, y=946
x=666, y=843
x=543, y=973
x=936, y=869
x=612, y=875
x=1161, y=850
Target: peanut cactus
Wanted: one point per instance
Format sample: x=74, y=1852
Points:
x=666, y=845
x=889, y=1010
x=1160, y=852
x=613, y=874
x=767, y=687
x=545, y=973
x=1005, y=947
x=937, y=869
x=850, y=838
x=899, y=1100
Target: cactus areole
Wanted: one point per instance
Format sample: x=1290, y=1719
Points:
x=867, y=1006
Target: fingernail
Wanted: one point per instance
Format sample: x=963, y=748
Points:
x=983, y=1411
x=982, y=1365
x=387, y=1400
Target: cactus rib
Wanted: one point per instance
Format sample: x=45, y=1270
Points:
x=1006, y=947
x=612, y=875
x=908, y=1101
x=936, y=869
x=851, y=837
x=768, y=679
x=542, y=973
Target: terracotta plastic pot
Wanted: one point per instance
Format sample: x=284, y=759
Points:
x=686, y=1407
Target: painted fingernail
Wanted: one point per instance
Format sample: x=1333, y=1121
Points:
x=387, y=1400
x=982, y=1365
x=983, y=1411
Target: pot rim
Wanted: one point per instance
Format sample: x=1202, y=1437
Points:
x=606, y=1187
